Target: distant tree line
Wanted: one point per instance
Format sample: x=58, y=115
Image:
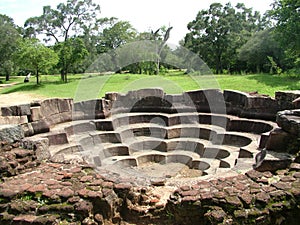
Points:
x=230, y=39
x=235, y=39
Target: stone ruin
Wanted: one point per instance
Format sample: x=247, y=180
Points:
x=147, y=157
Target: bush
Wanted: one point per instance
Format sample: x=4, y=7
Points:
x=293, y=73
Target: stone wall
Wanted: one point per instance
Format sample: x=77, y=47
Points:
x=212, y=100
x=41, y=193
x=38, y=117
x=34, y=191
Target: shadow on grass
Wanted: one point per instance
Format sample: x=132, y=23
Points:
x=277, y=81
x=22, y=87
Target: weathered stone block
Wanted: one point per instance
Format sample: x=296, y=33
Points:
x=39, y=145
x=289, y=121
x=13, y=119
x=112, y=96
x=65, y=105
x=27, y=129
x=90, y=108
x=16, y=110
x=66, y=116
x=277, y=140
x=49, y=107
x=57, y=139
x=285, y=98
x=77, y=115
x=54, y=119
x=40, y=126
x=210, y=100
x=296, y=103
x=11, y=133
x=275, y=161
x=235, y=98
x=262, y=102
x=139, y=94
x=36, y=113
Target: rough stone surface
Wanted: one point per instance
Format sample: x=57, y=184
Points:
x=34, y=190
x=47, y=193
x=296, y=103
x=277, y=140
x=289, y=121
x=285, y=99
x=11, y=133
x=250, y=106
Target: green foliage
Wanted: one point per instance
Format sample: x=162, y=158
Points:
x=286, y=14
x=74, y=18
x=274, y=69
x=57, y=24
x=9, y=36
x=258, y=51
x=218, y=32
x=33, y=55
x=71, y=53
x=118, y=34
x=293, y=73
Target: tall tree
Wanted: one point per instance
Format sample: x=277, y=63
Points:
x=258, y=48
x=120, y=33
x=218, y=32
x=66, y=21
x=286, y=13
x=71, y=52
x=152, y=51
x=33, y=55
x=9, y=36
x=114, y=36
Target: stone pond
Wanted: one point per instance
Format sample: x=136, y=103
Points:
x=147, y=157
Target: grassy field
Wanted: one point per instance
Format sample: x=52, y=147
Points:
x=91, y=86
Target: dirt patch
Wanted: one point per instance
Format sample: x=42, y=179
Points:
x=168, y=170
x=18, y=98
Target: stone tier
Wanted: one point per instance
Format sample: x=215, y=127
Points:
x=54, y=193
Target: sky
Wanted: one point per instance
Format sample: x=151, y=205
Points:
x=143, y=15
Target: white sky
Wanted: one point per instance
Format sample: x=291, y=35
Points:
x=143, y=15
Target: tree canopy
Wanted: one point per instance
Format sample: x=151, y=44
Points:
x=33, y=55
x=218, y=32
x=230, y=39
x=9, y=36
x=258, y=48
x=66, y=21
x=286, y=13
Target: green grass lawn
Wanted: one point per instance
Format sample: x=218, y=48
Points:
x=92, y=86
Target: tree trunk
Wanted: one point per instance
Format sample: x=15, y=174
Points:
x=219, y=68
x=157, y=67
x=7, y=77
x=257, y=68
x=63, y=75
x=37, y=77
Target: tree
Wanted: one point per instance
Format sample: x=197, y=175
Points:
x=218, y=32
x=286, y=13
x=9, y=36
x=155, y=52
x=287, y=29
x=71, y=52
x=258, y=48
x=35, y=56
x=118, y=34
x=66, y=21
